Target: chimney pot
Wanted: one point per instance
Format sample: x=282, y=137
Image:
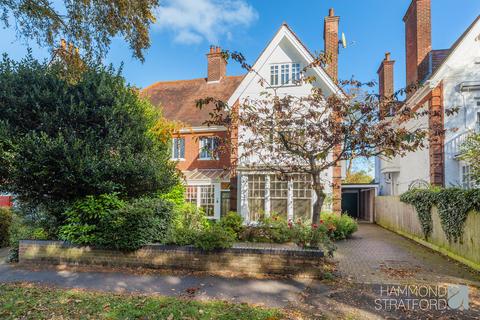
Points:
x=331, y=12
x=387, y=56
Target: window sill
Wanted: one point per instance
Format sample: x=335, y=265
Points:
x=207, y=159
x=179, y=159
x=283, y=86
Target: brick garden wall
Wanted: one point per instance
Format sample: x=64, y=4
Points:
x=240, y=260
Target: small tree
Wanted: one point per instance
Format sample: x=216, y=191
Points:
x=311, y=134
x=62, y=139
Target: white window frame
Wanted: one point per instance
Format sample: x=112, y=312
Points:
x=174, y=144
x=214, y=145
x=285, y=74
x=465, y=176
x=195, y=192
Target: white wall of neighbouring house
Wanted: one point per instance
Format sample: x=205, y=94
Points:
x=462, y=68
x=402, y=171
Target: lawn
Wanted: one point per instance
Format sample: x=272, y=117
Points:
x=22, y=301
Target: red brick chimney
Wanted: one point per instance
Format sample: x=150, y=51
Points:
x=418, y=38
x=386, y=87
x=217, y=65
x=330, y=36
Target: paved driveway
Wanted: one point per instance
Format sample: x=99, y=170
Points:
x=377, y=255
x=375, y=258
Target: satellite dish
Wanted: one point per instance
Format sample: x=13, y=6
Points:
x=344, y=40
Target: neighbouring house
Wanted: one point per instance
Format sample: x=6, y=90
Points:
x=6, y=201
x=222, y=183
x=448, y=78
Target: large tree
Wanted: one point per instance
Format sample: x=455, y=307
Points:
x=311, y=134
x=89, y=24
x=61, y=140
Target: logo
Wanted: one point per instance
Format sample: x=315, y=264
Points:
x=422, y=297
x=457, y=297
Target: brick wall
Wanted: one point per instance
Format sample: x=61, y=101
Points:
x=241, y=260
x=192, y=152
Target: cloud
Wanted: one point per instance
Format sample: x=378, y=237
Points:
x=193, y=21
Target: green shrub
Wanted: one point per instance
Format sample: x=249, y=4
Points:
x=108, y=222
x=21, y=229
x=5, y=225
x=233, y=221
x=339, y=226
x=215, y=237
x=83, y=218
x=273, y=229
x=187, y=222
x=312, y=236
x=134, y=225
x=176, y=195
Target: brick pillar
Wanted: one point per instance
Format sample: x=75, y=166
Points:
x=330, y=36
x=337, y=189
x=233, y=160
x=436, y=139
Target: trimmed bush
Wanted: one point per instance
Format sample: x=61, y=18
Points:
x=311, y=236
x=339, y=227
x=137, y=224
x=215, y=237
x=5, y=224
x=83, y=218
x=188, y=221
x=273, y=229
x=234, y=222
x=108, y=222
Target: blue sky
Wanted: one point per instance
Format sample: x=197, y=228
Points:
x=186, y=28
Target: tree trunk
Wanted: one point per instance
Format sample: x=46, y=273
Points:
x=317, y=206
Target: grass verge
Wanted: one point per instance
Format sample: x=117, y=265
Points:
x=25, y=301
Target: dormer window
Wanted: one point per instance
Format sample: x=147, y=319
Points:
x=284, y=74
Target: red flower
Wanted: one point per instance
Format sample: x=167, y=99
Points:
x=314, y=226
x=321, y=221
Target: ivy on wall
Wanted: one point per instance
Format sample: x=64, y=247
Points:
x=423, y=201
x=453, y=205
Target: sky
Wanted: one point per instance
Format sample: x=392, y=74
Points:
x=186, y=28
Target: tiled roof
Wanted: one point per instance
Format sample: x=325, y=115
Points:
x=177, y=99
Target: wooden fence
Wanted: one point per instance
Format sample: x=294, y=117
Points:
x=402, y=218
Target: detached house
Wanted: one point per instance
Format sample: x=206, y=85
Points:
x=221, y=183
x=449, y=78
